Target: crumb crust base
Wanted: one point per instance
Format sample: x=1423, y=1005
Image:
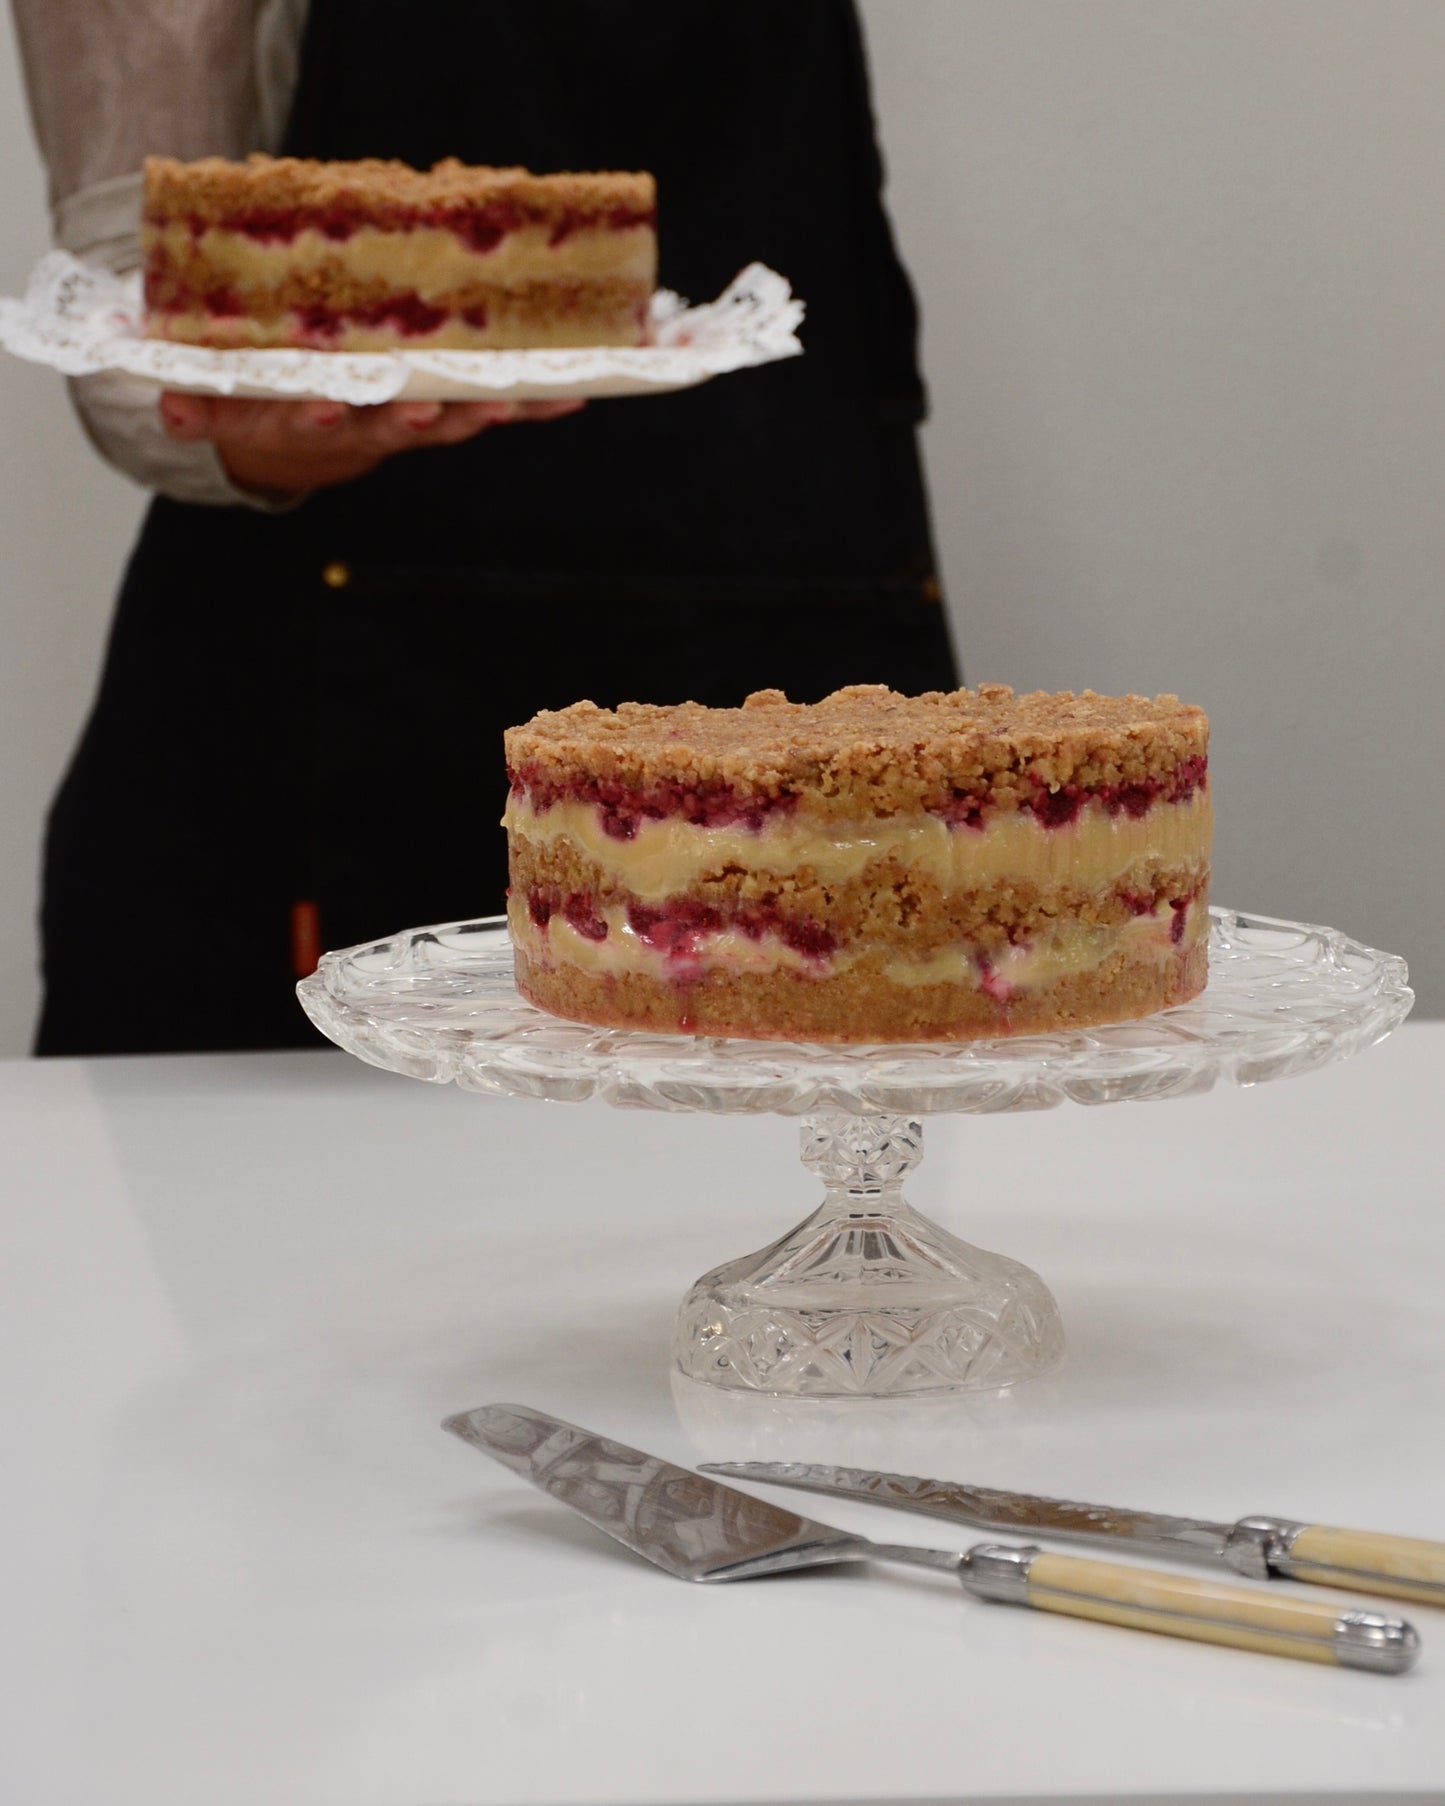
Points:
x=795, y=1007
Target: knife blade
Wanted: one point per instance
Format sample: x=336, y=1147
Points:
x=698, y=1529
x=1261, y=1547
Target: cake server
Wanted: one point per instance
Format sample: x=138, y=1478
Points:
x=1264, y=1548
x=698, y=1529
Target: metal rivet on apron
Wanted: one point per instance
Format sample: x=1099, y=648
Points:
x=336, y=575
x=931, y=592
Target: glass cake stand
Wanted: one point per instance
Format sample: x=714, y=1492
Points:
x=866, y=1298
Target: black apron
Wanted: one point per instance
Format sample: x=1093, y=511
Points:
x=297, y=737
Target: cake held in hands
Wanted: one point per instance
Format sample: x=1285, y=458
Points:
x=372, y=256
x=872, y=867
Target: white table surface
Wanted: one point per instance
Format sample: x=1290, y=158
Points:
x=243, y=1567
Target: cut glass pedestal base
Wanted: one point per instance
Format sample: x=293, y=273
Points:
x=867, y=1297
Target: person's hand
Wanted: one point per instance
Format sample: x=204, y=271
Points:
x=289, y=447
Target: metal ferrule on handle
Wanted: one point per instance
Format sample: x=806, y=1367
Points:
x=1181, y=1606
x=1362, y=1560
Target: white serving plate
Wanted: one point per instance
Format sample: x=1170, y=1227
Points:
x=81, y=320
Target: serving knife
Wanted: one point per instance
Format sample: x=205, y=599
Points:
x=1263, y=1548
x=698, y=1529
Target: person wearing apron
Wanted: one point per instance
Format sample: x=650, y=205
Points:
x=297, y=740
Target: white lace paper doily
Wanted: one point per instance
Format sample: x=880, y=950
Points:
x=79, y=320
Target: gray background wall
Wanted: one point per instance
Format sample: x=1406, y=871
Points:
x=1182, y=270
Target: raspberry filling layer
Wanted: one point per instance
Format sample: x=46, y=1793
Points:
x=686, y=940
x=624, y=808
x=406, y=314
x=481, y=228
x=1058, y=808
x=679, y=928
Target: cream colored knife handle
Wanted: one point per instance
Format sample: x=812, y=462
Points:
x=1180, y=1606
x=1402, y=1566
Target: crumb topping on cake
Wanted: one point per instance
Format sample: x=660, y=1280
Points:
x=869, y=750
x=214, y=189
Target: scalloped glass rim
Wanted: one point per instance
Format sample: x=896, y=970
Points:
x=79, y=318
x=440, y=1004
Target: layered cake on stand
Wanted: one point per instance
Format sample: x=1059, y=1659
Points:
x=872, y=867
x=797, y=884
x=373, y=256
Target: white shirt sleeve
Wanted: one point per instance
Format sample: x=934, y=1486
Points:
x=105, y=90
x=123, y=423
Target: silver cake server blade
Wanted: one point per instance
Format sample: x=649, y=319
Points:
x=696, y=1529
x=699, y=1529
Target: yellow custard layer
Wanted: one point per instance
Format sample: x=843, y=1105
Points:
x=1094, y=850
x=1072, y=948
x=429, y=259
